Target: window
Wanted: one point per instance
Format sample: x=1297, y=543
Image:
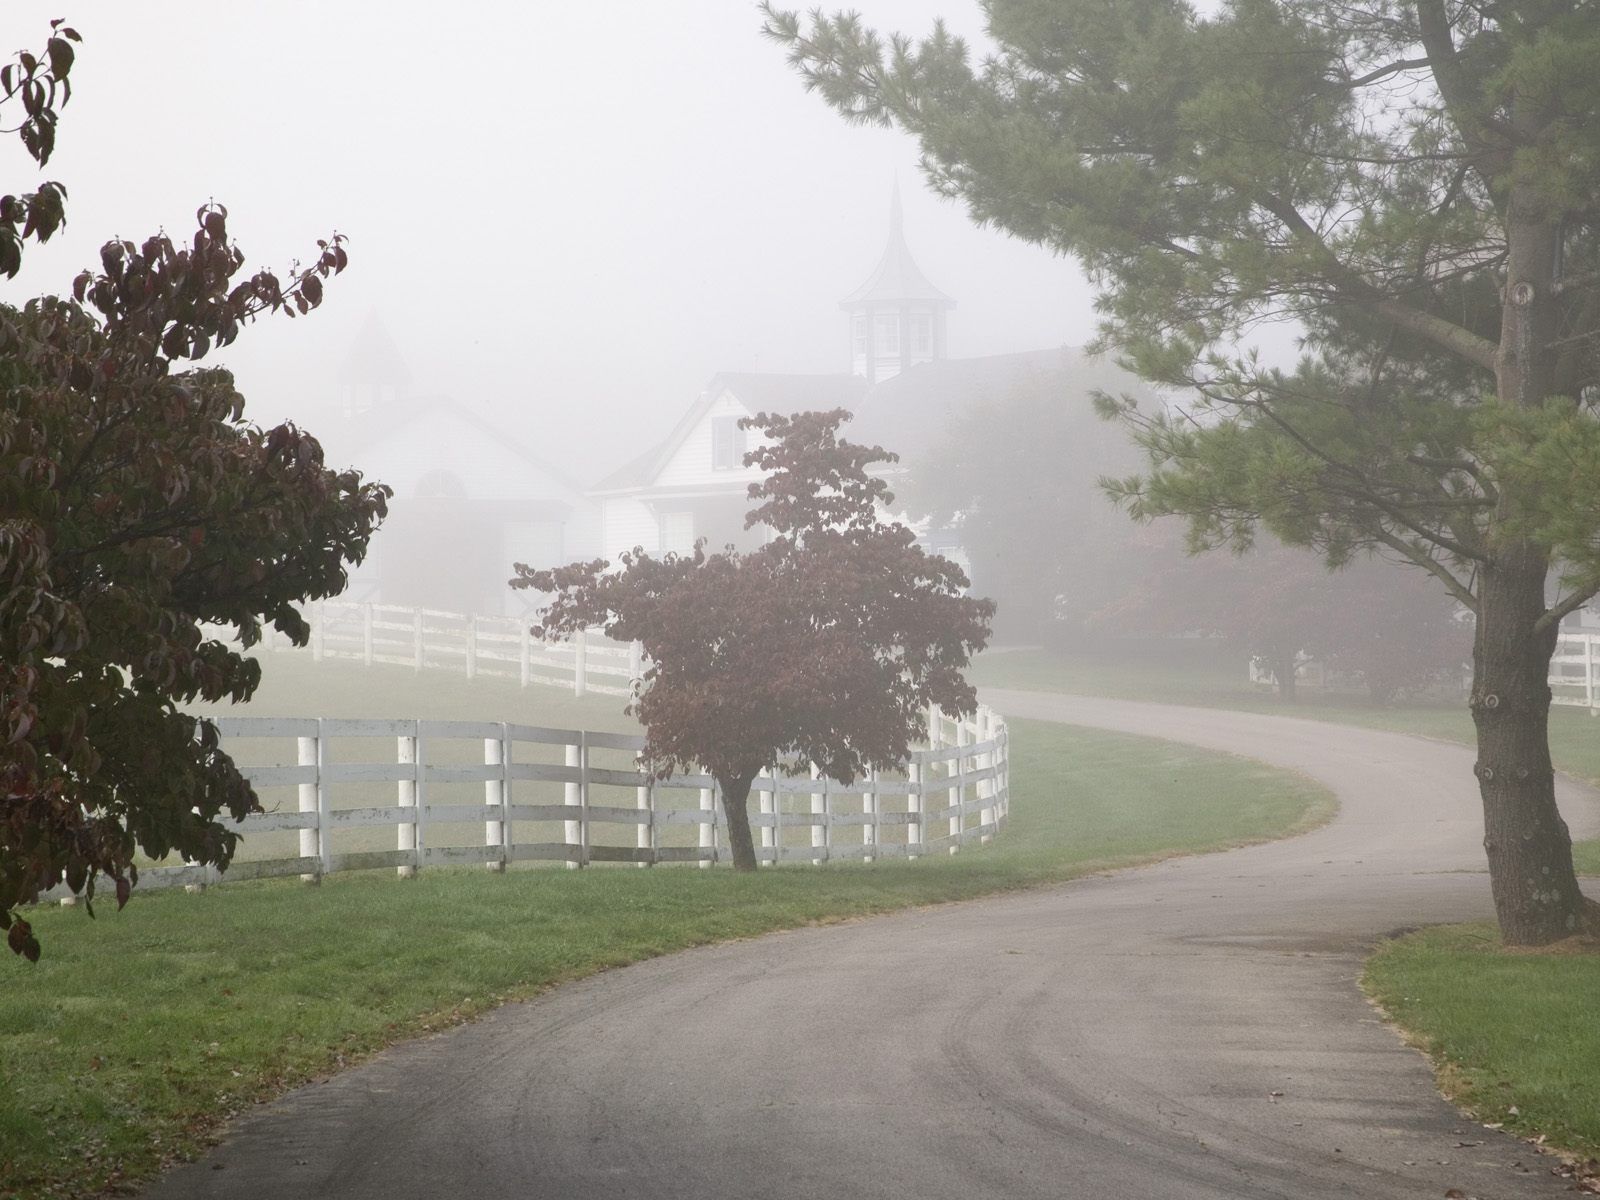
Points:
x=858, y=333
x=921, y=334
x=888, y=333
x=727, y=444
x=677, y=533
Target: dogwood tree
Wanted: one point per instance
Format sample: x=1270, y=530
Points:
x=824, y=647
x=143, y=519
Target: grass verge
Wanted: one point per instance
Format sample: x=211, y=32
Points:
x=1512, y=1034
x=141, y=1031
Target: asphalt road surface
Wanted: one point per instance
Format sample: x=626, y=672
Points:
x=1187, y=1030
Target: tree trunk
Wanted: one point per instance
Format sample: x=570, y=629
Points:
x=1283, y=670
x=735, y=801
x=1536, y=896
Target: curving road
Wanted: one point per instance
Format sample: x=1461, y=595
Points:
x=1187, y=1030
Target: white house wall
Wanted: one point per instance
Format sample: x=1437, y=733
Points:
x=629, y=523
x=691, y=465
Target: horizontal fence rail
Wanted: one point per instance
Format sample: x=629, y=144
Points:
x=1575, y=671
x=342, y=795
x=466, y=643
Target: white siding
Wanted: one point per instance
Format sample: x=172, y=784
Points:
x=629, y=523
x=691, y=465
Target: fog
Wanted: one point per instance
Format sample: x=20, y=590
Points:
x=569, y=216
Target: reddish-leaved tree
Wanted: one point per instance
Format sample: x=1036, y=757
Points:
x=140, y=513
x=824, y=647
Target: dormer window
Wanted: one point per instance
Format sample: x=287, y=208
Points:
x=727, y=444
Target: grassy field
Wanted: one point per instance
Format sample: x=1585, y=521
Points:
x=141, y=1031
x=1514, y=1035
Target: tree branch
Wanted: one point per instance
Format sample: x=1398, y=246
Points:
x=1561, y=610
x=1457, y=339
x=1433, y=566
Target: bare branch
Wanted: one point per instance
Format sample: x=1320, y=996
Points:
x=1433, y=566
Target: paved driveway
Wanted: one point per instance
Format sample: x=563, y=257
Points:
x=1191, y=1029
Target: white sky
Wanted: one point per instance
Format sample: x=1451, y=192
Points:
x=569, y=214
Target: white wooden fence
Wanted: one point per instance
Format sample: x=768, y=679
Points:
x=465, y=643
x=346, y=795
x=1575, y=671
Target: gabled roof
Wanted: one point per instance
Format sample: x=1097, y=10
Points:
x=758, y=392
x=897, y=277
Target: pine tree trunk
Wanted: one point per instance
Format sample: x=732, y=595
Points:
x=1536, y=894
x=735, y=801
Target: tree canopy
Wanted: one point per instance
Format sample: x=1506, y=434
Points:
x=1414, y=182
x=824, y=646
x=148, y=531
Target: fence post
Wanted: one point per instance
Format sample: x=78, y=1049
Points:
x=635, y=661
x=984, y=720
x=914, y=810
x=1588, y=673
x=646, y=839
x=310, y=755
x=585, y=829
x=869, y=810
x=572, y=796
x=526, y=650
x=958, y=789
x=472, y=645
x=998, y=785
x=765, y=802
x=494, y=796
x=416, y=637
x=408, y=752
x=580, y=663
x=708, y=827
x=366, y=634
x=819, y=807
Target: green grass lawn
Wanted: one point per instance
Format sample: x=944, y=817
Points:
x=140, y=1031
x=1514, y=1035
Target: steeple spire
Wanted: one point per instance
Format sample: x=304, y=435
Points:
x=897, y=318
